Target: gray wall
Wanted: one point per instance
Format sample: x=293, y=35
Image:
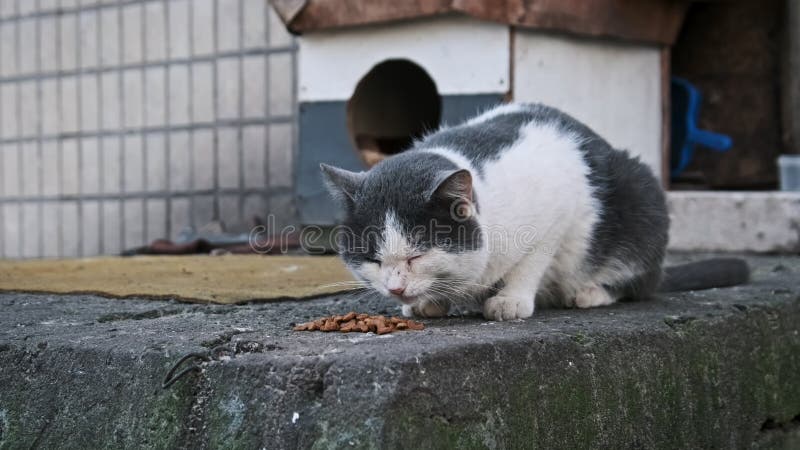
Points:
x=125, y=121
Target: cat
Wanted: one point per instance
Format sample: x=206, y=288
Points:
x=520, y=206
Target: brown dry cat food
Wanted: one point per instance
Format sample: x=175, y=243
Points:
x=364, y=323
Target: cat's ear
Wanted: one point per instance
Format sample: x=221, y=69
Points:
x=453, y=185
x=342, y=184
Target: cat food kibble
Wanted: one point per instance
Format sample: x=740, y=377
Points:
x=363, y=323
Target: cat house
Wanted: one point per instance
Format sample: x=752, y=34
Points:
x=373, y=75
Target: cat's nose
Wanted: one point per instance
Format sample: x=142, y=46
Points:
x=397, y=290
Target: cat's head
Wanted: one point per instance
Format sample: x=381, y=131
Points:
x=411, y=227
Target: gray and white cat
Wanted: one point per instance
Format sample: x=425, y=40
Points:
x=521, y=205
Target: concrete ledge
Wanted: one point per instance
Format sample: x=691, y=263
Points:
x=734, y=221
x=711, y=369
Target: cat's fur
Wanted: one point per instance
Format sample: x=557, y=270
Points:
x=520, y=205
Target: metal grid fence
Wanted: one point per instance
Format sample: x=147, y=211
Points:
x=123, y=121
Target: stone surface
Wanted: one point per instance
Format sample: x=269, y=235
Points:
x=734, y=221
x=708, y=369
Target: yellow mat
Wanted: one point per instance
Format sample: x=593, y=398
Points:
x=225, y=279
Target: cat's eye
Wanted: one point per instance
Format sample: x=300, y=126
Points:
x=413, y=258
x=373, y=260
x=462, y=210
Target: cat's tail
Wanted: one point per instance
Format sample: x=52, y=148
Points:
x=705, y=274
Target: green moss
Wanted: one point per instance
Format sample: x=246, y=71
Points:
x=704, y=385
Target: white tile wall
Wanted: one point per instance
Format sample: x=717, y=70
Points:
x=281, y=91
x=254, y=23
x=132, y=38
x=228, y=25
x=27, y=35
x=49, y=109
x=132, y=215
x=8, y=8
x=280, y=155
x=90, y=167
x=179, y=99
x=110, y=105
x=156, y=219
x=254, y=139
x=228, y=88
x=228, y=158
x=110, y=214
x=155, y=109
x=30, y=169
x=203, y=162
x=179, y=29
x=90, y=114
x=70, y=230
x=48, y=44
x=50, y=229
x=156, y=171
x=202, y=27
x=67, y=39
x=255, y=89
x=202, y=92
x=125, y=122
x=11, y=170
x=30, y=227
x=90, y=228
x=110, y=155
x=202, y=210
x=8, y=110
x=132, y=84
x=133, y=163
x=69, y=104
x=179, y=161
x=12, y=214
x=8, y=49
x=51, y=175
x=110, y=31
x=69, y=167
x=88, y=24
x=29, y=108
x=155, y=31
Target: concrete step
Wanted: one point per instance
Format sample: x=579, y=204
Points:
x=706, y=369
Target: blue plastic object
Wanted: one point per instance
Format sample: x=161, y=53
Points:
x=685, y=106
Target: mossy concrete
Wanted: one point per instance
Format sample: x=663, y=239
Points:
x=710, y=369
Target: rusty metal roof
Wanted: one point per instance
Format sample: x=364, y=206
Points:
x=652, y=21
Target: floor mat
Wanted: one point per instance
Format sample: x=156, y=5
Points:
x=224, y=279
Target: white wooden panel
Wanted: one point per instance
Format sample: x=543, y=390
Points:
x=613, y=87
x=462, y=55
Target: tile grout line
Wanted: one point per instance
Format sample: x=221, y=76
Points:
x=168, y=119
x=39, y=133
x=122, y=125
x=20, y=166
x=101, y=206
x=267, y=196
x=144, y=102
x=240, y=129
x=60, y=144
x=145, y=65
x=215, y=87
x=59, y=11
x=79, y=120
x=232, y=123
x=295, y=129
x=2, y=171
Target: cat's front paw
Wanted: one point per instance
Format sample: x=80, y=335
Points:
x=503, y=307
x=426, y=309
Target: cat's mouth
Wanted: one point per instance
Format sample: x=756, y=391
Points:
x=406, y=299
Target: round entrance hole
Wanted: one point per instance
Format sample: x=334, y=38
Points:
x=395, y=103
